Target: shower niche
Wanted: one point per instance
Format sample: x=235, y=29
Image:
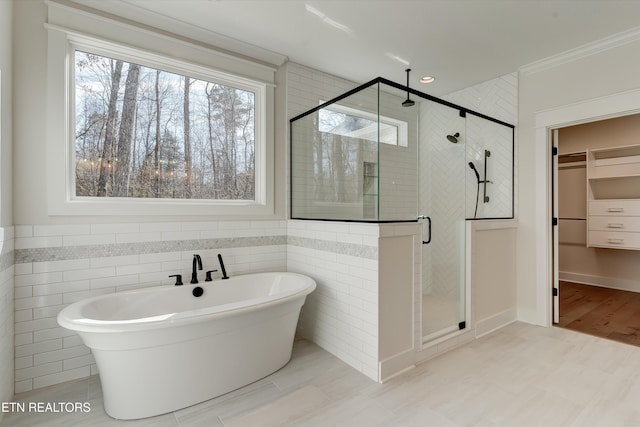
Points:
x=371, y=156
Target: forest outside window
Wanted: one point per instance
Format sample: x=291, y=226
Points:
x=144, y=132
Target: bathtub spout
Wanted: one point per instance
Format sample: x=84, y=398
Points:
x=197, y=261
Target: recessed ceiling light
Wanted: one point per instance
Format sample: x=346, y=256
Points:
x=427, y=79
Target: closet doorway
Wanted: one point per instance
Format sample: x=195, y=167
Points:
x=596, y=182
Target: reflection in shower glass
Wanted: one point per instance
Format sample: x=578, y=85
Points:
x=353, y=160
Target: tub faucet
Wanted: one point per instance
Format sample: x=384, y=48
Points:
x=197, y=261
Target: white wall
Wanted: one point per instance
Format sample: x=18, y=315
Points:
x=6, y=231
x=592, y=72
x=30, y=119
x=6, y=108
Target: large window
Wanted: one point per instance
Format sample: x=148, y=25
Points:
x=143, y=132
x=141, y=123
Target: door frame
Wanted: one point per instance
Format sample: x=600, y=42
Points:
x=555, y=178
x=596, y=109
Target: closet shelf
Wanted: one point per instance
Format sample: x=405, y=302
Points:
x=613, y=162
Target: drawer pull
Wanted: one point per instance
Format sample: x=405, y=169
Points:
x=615, y=225
x=615, y=209
x=615, y=241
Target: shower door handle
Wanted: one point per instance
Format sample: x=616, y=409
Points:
x=426, y=242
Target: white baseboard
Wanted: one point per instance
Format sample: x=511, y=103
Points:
x=605, y=282
x=395, y=365
x=497, y=321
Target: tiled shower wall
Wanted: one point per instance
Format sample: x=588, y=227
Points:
x=57, y=265
x=441, y=187
x=497, y=98
x=6, y=311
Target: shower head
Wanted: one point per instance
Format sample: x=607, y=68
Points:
x=473, y=167
x=408, y=102
x=454, y=138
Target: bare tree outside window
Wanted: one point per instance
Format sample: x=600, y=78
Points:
x=141, y=132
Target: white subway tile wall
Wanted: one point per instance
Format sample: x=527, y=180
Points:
x=7, y=343
x=58, y=265
x=497, y=98
x=307, y=87
x=341, y=316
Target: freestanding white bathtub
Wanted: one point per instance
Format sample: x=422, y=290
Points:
x=161, y=349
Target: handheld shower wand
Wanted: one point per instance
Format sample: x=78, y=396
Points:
x=224, y=271
x=473, y=168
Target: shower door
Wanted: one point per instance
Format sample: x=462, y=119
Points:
x=442, y=198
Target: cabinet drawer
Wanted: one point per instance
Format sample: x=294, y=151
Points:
x=612, y=239
x=612, y=207
x=614, y=223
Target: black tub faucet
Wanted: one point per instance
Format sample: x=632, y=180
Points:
x=178, y=279
x=197, y=261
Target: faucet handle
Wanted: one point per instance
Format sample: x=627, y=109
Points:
x=178, y=279
x=208, y=278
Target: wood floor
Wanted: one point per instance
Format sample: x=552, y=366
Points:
x=606, y=313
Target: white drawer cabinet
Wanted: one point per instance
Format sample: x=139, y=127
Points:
x=614, y=239
x=614, y=223
x=613, y=194
x=614, y=207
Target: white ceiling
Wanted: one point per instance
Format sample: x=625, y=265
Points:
x=460, y=42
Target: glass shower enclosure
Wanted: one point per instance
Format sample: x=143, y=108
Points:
x=367, y=157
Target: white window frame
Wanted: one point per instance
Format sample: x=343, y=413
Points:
x=61, y=142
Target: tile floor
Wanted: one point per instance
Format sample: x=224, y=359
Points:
x=520, y=375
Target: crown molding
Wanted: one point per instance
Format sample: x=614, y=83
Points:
x=593, y=48
x=136, y=15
